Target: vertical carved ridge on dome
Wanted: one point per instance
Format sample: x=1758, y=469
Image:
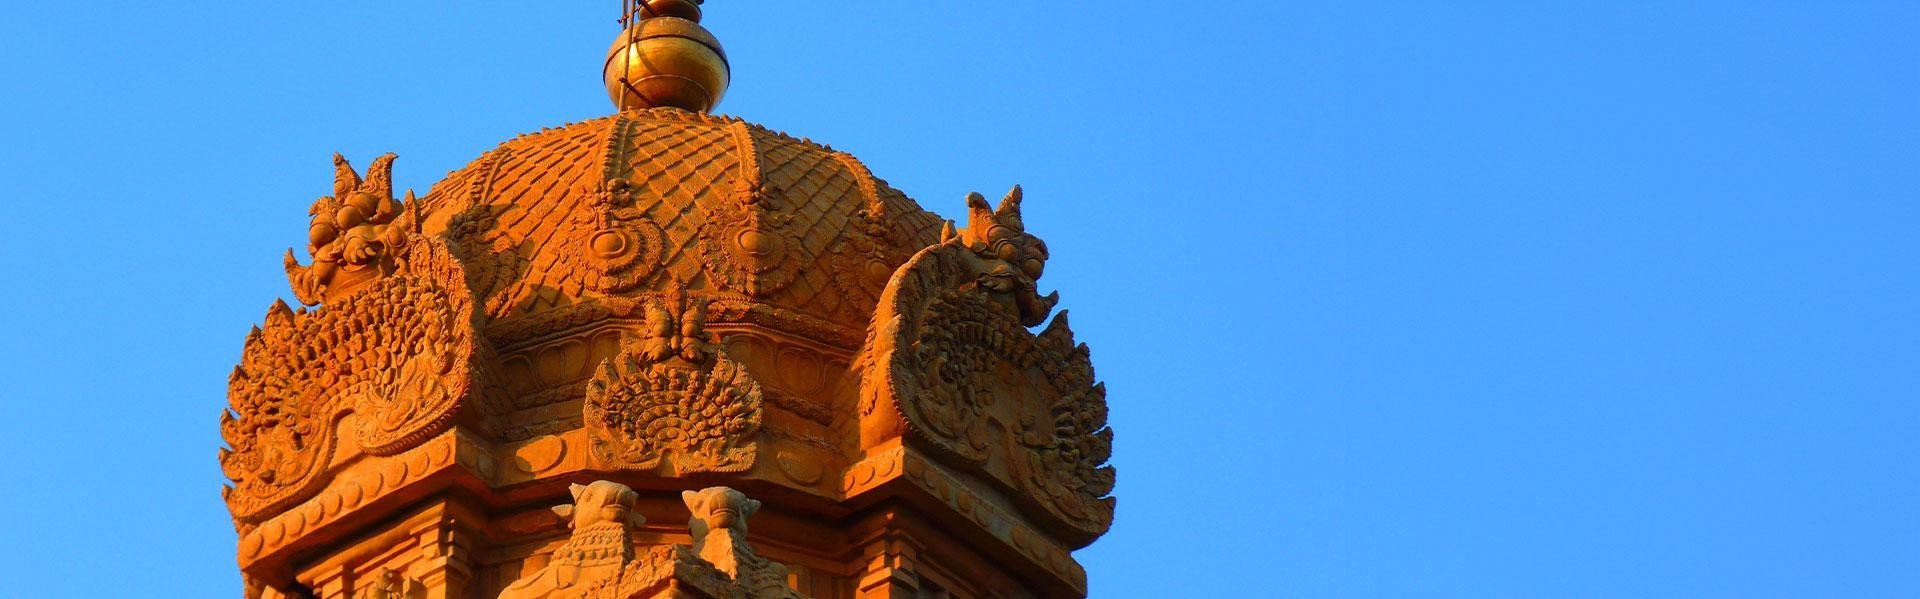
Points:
x=742, y=254
x=482, y=185
x=468, y=228
x=876, y=211
x=614, y=162
x=748, y=187
x=616, y=247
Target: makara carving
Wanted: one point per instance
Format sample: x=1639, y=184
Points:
x=672, y=401
x=950, y=363
x=353, y=237
x=1010, y=258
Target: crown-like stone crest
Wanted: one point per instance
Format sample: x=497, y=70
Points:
x=950, y=365
x=672, y=401
x=398, y=355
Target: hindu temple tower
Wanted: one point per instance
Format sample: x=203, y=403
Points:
x=578, y=366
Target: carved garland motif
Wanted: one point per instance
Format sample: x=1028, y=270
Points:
x=618, y=247
x=398, y=354
x=672, y=402
x=742, y=254
x=870, y=255
x=949, y=351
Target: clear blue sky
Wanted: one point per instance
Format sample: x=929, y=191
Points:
x=1393, y=299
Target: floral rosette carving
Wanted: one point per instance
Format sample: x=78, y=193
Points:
x=398, y=355
x=951, y=365
x=672, y=401
x=619, y=247
x=737, y=234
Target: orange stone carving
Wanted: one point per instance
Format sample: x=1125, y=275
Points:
x=619, y=315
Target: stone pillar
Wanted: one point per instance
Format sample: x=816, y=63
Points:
x=446, y=564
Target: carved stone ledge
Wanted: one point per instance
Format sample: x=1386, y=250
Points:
x=371, y=481
x=899, y=463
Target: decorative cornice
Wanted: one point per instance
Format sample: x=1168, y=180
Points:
x=871, y=475
x=361, y=484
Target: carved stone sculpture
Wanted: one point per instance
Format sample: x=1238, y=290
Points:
x=598, y=552
x=949, y=362
x=1011, y=258
x=672, y=401
x=599, y=560
x=399, y=356
x=663, y=299
x=719, y=529
x=352, y=237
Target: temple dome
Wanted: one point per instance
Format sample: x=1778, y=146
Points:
x=651, y=302
x=801, y=235
x=665, y=299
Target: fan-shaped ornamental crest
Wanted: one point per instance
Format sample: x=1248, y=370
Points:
x=951, y=364
x=672, y=401
x=393, y=360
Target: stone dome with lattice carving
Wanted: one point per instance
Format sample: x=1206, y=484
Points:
x=664, y=298
x=557, y=255
x=639, y=201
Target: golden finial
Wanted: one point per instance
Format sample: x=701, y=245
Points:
x=663, y=57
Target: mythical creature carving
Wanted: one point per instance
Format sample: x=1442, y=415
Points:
x=398, y=355
x=719, y=530
x=353, y=237
x=672, y=401
x=950, y=364
x=1011, y=258
x=599, y=561
x=599, y=555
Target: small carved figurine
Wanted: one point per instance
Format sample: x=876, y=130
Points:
x=602, y=519
x=599, y=561
x=1015, y=259
x=351, y=229
x=719, y=530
